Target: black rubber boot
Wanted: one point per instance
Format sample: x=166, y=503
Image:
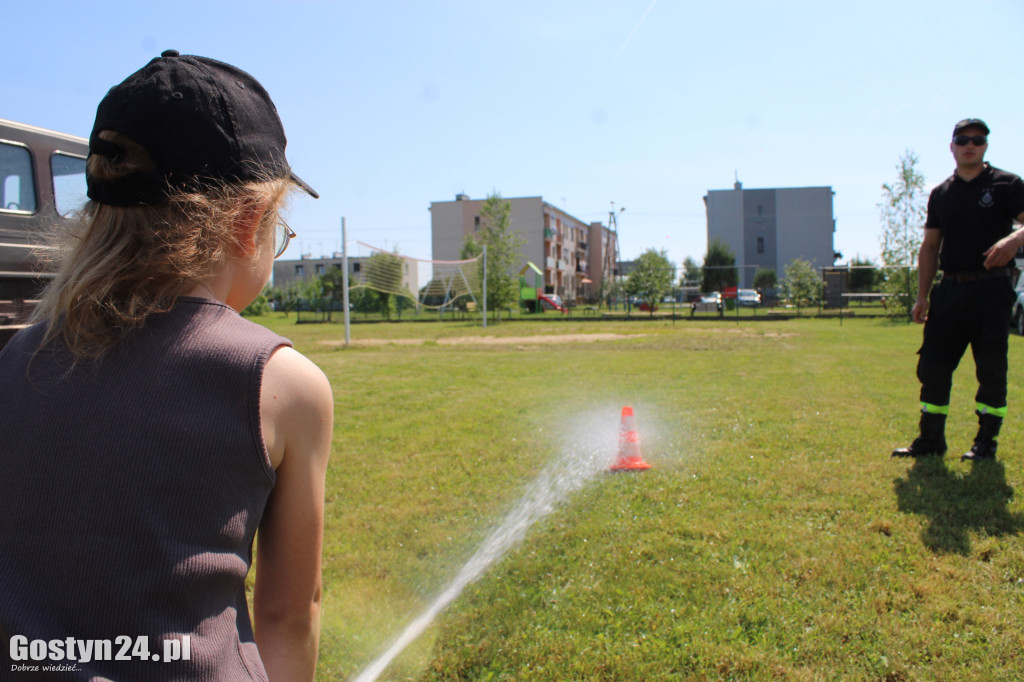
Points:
x=985, y=443
x=932, y=440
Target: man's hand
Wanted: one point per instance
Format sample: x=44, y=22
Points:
x=920, y=311
x=1003, y=251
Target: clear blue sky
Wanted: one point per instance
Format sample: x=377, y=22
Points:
x=392, y=104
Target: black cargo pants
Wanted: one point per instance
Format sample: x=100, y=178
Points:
x=975, y=313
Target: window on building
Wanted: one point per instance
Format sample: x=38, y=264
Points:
x=760, y=209
x=300, y=270
x=760, y=244
x=319, y=268
x=355, y=267
x=476, y=222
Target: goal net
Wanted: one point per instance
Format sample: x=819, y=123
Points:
x=450, y=283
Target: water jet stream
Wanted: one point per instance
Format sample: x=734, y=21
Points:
x=554, y=484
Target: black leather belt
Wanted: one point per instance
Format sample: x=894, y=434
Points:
x=965, y=276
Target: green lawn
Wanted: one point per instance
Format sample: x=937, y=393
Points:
x=773, y=538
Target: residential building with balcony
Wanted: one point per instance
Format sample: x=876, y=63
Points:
x=575, y=256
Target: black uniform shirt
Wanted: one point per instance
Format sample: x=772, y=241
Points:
x=973, y=216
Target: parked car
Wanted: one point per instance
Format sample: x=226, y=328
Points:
x=713, y=297
x=1018, y=308
x=748, y=297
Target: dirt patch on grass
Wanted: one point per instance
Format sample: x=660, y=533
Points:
x=539, y=339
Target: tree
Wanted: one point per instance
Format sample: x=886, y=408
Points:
x=312, y=292
x=693, y=275
x=765, y=278
x=903, y=209
x=610, y=289
x=651, y=279
x=864, y=276
x=801, y=283
x=363, y=300
x=383, y=274
x=503, y=252
x=332, y=288
x=260, y=305
x=286, y=298
x=719, y=267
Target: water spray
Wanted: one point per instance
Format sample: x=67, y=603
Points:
x=569, y=473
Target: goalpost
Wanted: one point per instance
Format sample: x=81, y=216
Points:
x=451, y=281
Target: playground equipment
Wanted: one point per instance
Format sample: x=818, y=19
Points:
x=532, y=298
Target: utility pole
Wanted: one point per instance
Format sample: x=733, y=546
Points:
x=344, y=282
x=613, y=225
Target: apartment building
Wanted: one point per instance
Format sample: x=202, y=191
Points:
x=769, y=228
x=575, y=256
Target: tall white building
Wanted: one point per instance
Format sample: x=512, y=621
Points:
x=769, y=228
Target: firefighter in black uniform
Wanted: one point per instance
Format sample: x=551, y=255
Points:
x=969, y=235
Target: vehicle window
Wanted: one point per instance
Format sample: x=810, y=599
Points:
x=68, y=182
x=19, y=192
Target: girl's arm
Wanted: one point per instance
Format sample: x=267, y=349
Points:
x=297, y=412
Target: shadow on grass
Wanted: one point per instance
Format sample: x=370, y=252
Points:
x=955, y=504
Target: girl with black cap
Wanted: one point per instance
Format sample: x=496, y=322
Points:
x=148, y=430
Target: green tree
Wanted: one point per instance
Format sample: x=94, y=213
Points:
x=719, y=267
x=260, y=305
x=693, y=274
x=765, y=278
x=864, y=275
x=802, y=284
x=332, y=288
x=363, y=299
x=286, y=298
x=503, y=253
x=383, y=274
x=609, y=290
x=471, y=248
x=651, y=279
x=311, y=295
x=903, y=208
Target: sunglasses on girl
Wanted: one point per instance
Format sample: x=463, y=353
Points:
x=976, y=140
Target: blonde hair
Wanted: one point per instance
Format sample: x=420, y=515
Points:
x=118, y=265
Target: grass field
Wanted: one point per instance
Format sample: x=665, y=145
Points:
x=773, y=537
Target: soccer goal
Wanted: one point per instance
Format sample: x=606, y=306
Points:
x=451, y=283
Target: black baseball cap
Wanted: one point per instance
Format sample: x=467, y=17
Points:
x=970, y=123
x=202, y=121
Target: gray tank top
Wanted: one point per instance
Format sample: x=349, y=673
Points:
x=130, y=493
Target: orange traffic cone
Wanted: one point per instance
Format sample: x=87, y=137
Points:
x=630, y=458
